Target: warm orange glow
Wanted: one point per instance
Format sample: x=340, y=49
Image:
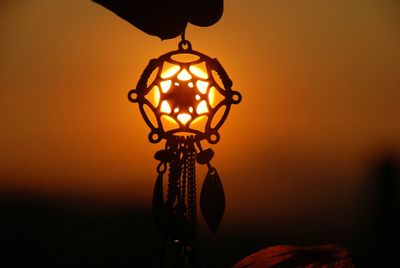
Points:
x=217, y=117
x=199, y=72
x=169, y=70
x=169, y=123
x=214, y=96
x=199, y=122
x=150, y=115
x=154, y=96
x=202, y=86
x=184, y=75
x=296, y=102
x=184, y=117
x=185, y=57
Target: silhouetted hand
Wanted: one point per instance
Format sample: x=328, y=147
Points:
x=166, y=18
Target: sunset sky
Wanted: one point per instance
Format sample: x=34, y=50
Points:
x=321, y=95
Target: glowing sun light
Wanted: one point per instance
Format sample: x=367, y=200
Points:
x=165, y=85
x=184, y=118
x=201, y=86
x=165, y=107
x=202, y=108
x=170, y=71
x=184, y=75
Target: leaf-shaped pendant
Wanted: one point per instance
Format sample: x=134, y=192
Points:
x=212, y=200
x=158, y=202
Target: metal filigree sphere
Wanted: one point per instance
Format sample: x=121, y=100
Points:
x=184, y=92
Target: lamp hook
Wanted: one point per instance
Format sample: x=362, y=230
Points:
x=184, y=44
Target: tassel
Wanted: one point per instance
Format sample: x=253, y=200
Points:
x=158, y=202
x=212, y=200
x=191, y=214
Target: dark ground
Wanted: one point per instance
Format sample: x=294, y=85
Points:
x=47, y=232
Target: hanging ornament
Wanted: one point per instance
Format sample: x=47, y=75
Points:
x=184, y=97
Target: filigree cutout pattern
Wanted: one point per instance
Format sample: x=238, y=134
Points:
x=184, y=95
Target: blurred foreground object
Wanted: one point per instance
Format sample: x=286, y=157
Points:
x=284, y=256
x=168, y=18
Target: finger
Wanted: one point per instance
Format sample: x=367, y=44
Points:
x=159, y=18
x=205, y=13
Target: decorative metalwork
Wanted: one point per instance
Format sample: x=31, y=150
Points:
x=185, y=97
x=184, y=92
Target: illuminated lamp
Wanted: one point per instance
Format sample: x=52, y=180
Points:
x=184, y=97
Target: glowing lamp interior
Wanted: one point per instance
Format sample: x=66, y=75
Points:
x=202, y=108
x=169, y=70
x=184, y=118
x=165, y=107
x=197, y=70
x=202, y=86
x=191, y=79
x=184, y=75
x=165, y=85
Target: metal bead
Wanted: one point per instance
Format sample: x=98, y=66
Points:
x=164, y=156
x=205, y=156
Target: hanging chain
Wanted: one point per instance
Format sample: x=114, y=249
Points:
x=179, y=230
x=191, y=214
x=183, y=181
x=174, y=174
x=183, y=36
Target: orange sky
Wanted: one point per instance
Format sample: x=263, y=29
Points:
x=320, y=82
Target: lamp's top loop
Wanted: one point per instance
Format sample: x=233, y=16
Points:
x=185, y=45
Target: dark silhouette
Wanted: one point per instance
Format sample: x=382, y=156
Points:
x=383, y=236
x=184, y=101
x=67, y=232
x=39, y=231
x=166, y=18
